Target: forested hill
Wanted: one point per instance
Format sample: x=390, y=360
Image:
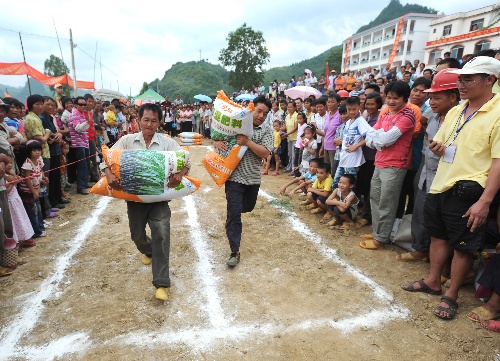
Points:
x=189, y=79
x=395, y=10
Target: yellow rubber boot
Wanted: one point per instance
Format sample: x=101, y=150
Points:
x=161, y=294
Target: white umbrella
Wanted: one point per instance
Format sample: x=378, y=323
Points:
x=107, y=93
x=307, y=71
x=302, y=92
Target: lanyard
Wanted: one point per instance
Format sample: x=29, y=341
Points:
x=465, y=122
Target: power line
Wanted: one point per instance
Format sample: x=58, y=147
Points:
x=32, y=34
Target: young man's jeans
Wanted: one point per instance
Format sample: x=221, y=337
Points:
x=82, y=167
x=340, y=172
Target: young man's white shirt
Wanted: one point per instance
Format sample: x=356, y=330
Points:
x=354, y=132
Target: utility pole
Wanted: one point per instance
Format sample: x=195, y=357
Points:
x=24, y=57
x=200, y=54
x=75, y=88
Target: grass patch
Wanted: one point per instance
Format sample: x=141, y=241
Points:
x=280, y=202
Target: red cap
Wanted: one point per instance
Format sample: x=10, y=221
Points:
x=443, y=81
x=343, y=94
x=58, y=85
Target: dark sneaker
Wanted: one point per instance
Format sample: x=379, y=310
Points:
x=83, y=191
x=233, y=260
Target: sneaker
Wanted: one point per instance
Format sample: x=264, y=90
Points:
x=233, y=260
x=60, y=206
x=64, y=201
x=83, y=191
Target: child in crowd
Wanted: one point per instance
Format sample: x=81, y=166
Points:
x=310, y=146
x=304, y=181
x=276, y=150
x=64, y=168
x=320, y=190
x=22, y=229
x=112, y=121
x=344, y=117
x=297, y=158
x=351, y=154
x=133, y=126
x=29, y=187
x=343, y=203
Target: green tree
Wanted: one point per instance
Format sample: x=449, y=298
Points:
x=246, y=54
x=55, y=66
x=144, y=88
x=334, y=58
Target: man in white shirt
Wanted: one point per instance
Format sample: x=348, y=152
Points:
x=331, y=78
x=367, y=73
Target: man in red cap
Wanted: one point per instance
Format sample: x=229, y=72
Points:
x=467, y=179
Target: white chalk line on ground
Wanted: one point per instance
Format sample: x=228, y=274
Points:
x=328, y=252
x=198, y=338
x=31, y=309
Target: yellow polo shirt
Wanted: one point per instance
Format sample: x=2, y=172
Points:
x=476, y=144
x=291, y=122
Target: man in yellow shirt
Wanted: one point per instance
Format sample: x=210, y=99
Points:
x=467, y=179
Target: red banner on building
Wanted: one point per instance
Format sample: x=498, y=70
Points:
x=347, y=51
x=461, y=37
x=26, y=69
x=396, y=41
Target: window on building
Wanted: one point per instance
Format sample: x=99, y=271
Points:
x=433, y=56
x=434, y=31
x=354, y=46
x=482, y=45
x=457, y=52
x=412, y=25
x=447, y=30
x=476, y=24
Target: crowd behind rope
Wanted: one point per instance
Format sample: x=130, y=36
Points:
x=347, y=158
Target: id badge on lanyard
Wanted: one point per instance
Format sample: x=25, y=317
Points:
x=450, y=150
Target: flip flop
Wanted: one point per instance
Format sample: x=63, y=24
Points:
x=482, y=314
x=362, y=222
x=408, y=257
x=334, y=223
x=452, y=308
x=317, y=210
x=423, y=288
x=367, y=235
x=491, y=325
x=370, y=244
x=4, y=271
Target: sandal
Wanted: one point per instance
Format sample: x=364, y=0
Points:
x=469, y=279
x=452, y=309
x=265, y=172
x=362, y=222
x=491, y=325
x=317, y=210
x=367, y=235
x=423, y=288
x=409, y=257
x=275, y=173
x=346, y=226
x=482, y=314
x=370, y=244
x=334, y=223
x=28, y=243
x=4, y=271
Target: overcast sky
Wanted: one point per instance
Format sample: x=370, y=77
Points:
x=138, y=41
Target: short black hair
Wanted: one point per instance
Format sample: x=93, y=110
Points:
x=451, y=63
x=262, y=99
x=375, y=87
x=335, y=96
x=78, y=98
x=351, y=177
x=421, y=81
x=32, y=145
x=342, y=108
x=64, y=100
x=400, y=88
x=308, y=100
x=32, y=99
x=320, y=100
x=88, y=96
x=318, y=161
x=325, y=166
x=150, y=106
x=352, y=101
x=377, y=97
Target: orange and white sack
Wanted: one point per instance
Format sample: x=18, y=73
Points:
x=187, y=186
x=228, y=120
x=193, y=135
x=144, y=174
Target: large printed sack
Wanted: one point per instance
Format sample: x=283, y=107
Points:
x=228, y=120
x=193, y=135
x=144, y=174
x=187, y=186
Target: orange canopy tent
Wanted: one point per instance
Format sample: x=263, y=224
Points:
x=26, y=69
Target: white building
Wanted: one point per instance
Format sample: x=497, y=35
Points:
x=373, y=47
x=463, y=33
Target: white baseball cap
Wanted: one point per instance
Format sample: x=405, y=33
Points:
x=479, y=65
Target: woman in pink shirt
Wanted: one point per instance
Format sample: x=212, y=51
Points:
x=391, y=136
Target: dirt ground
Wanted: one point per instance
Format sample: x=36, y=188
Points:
x=301, y=291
